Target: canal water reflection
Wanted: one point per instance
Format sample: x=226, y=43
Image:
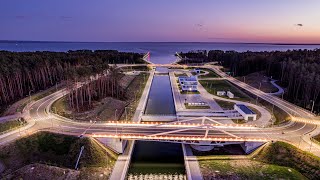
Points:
x=160, y=100
x=157, y=158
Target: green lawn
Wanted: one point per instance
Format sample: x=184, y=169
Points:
x=246, y=169
x=134, y=92
x=283, y=154
x=196, y=107
x=278, y=160
x=8, y=125
x=54, y=149
x=225, y=104
x=212, y=86
x=189, y=92
x=317, y=138
x=211, y=74
x=180, y=74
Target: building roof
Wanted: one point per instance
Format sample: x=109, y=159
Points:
x=245, y=109
x=186, y=78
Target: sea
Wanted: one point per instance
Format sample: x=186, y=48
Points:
x=160, y=52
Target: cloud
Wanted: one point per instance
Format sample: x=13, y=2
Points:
x=300, y=25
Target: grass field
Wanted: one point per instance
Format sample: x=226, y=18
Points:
x=212, y=86
x=189, y=92
x=225, y=104
x=9, y=125
x=55, y=150
x=180, y=74
x=277, y=160
x=258, y=78
x=283, y=154
x=246, y=169
x=134, y=93
x=317, y=138
x=210, y=75
x=196, y=107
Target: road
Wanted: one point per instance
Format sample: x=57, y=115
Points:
x=297, y=133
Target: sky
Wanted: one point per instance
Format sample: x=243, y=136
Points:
x=256, y=21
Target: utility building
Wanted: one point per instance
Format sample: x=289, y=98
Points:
x=246, y=112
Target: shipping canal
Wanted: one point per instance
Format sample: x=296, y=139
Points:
x=158, y=160
x=160, y=100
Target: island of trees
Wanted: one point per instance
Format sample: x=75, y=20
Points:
x=22, y=73
x=297, y=70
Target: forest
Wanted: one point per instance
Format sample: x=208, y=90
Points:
x=297, y=70
x=22, y=73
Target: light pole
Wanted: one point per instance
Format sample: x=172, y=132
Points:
x=312, y=106
x=55, y=109
x=311, y=143
x=244, y=79
x=115, y=114
x=30, y=95
x=300, y=141
x=125, y=110
x=260, y=86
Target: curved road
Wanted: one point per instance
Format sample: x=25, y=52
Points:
x=297, y=133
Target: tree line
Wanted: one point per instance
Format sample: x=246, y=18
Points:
x=22, y=73
x=106, y=85
x=297, y=70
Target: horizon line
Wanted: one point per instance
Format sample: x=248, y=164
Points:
x=215, y=42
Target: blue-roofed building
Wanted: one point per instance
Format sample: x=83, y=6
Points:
x=188, y=83
x=246, y=112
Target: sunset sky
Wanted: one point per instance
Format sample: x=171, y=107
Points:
x=270, y=21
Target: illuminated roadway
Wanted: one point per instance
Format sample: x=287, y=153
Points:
x=296, y=133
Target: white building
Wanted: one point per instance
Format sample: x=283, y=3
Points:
x=246, y=112
x=188, y=83
x=230, y=94
x=221, y=93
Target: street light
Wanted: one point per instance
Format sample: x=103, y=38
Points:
x=115, y=114
x=125, y=109
x=310, y=143
x=260, y=86
x=55, y=109
x=30, y=95
x=312, y=105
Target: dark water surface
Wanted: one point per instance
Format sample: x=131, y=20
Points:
x=160, y=100
x=157, y=158
x=160, y=52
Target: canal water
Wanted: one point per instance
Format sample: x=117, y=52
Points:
x=160, y=101
x=158, y=160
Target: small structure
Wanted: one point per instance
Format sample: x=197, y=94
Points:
x=230, y=94
x=246, y=112
x=188, y=83
x=197, y=70
x=221, y=93
x=198, y=104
